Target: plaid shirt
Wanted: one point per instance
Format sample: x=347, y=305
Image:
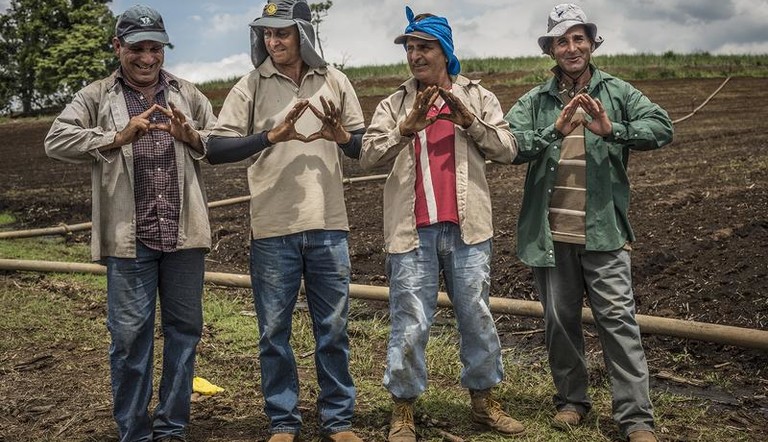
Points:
x=156, y=191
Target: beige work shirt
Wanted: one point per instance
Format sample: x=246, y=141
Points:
x=294, y=186
x=90, y=121
x=487, y=138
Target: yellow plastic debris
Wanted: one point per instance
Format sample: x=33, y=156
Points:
x=202, y=386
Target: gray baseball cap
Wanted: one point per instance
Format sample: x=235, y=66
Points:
x=141, y=23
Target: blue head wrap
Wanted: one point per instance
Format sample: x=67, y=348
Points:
x=439, y=28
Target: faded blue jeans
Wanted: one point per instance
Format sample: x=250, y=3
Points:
x=413, y=286
x=277, y=266
x=606, y=279
x=133, y=286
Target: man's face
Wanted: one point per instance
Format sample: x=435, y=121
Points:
x=140, y=62
x=283, y=45
x=573, y=50
x=427, y=61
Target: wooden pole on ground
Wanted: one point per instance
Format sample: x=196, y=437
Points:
x=721, y=334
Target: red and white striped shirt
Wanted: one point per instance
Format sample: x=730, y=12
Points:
x=436, y=172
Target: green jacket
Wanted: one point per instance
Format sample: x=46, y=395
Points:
x=637, y=124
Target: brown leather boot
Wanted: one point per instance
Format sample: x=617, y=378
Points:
x=488, y=413
x=402, y=428
x=566, y=420
x=642, y=436
x=342, y=436
x=283, y=437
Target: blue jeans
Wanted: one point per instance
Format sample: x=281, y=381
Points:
x=413, y=287
x=277, y=266
x=132, y=291
x=606, y=278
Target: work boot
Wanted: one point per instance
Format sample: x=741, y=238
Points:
x=487, y=412
x=402, y=428
x=566, y=420
x=283, y=437
x=642, y=436
x=342, y=436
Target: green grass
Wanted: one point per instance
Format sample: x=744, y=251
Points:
x=46, y=248
x=49, y=313
x=6, y=219
x=531, y=70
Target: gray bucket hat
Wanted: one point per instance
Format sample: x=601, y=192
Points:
x=281, y=14
x=141, y=23
x=562, y=18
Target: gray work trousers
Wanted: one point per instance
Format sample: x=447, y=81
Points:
x=607, y=280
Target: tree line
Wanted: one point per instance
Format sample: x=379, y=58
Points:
x=49, y=49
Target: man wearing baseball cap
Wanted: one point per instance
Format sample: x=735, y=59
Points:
x=142, y=129
x=436, y=132
x=575, y=132
x=292, y=118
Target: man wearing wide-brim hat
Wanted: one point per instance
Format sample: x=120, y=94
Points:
x=575, y=132
x=292, y=118
x=436, y=131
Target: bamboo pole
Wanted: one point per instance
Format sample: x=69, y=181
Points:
x=64, y=229
x=721, y=334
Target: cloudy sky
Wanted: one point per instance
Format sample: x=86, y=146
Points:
x=211, y=37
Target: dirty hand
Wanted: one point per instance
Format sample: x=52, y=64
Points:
x=599, y=123
x=332, y=130
x=137, y=127
x=286, y=131
x=459, y=115
x=179, y=127
x=417, y=119
x=565, y=123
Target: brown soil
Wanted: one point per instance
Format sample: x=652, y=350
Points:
x=698, y=207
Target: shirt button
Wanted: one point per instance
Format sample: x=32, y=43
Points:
x=552, y=169
x=618, y=133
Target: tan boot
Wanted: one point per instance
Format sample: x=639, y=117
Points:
x=283, y=437
x=487, y=412
x=342, y=436
x=642, y=436
x=566, y=420
x=402, y=428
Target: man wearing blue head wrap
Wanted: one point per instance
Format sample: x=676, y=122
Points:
x=435, y=132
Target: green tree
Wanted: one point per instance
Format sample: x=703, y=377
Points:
x=319, y=12
x=82, y=53
x=44, y=42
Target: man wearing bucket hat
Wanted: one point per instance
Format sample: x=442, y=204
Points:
x=576, y=132
x=142, y=131
x=298, y=218
x=436, y=131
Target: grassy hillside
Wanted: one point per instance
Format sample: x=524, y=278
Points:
x=535, y=69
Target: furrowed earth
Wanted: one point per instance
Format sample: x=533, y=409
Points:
x=699, y=210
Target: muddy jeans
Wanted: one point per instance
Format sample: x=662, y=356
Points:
x=413, y=286
x=606, y=279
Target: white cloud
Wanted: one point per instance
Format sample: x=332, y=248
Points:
x=232, y=66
